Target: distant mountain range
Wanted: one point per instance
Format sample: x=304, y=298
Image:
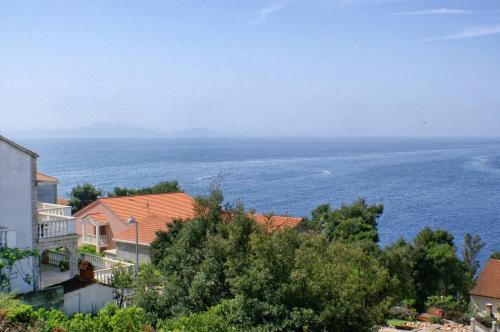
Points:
x=110, y=130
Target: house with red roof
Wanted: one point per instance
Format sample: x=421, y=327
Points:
x=104, y=223
x=485, y=295
x=101, y=222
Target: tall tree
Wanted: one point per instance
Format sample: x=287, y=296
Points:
x=472, y=246
x=83, y=195
x=438, y=270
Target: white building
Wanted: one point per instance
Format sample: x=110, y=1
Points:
x=485, y=296
x=26, y=223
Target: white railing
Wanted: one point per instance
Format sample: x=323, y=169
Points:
x=55, y=257
x=478, y=327
x=7, y=237
x=92, y=239
x=50, y=225
x=104, y=262
x=54, y=209
x=104, y=276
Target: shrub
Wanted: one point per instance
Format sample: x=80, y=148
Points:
x=447, y=303
x=81, y=323
x=208, y=321
x=63, y=265
x=22, y=314
x=52, y=319
x=88, y=249
x=8, y=301
x=128, y=319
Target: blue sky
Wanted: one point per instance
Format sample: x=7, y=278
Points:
x=264, y=68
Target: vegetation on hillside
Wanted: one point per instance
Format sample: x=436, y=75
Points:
x=221, y=271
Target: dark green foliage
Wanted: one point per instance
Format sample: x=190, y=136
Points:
x=472, y=247
x=159, y=188
x=259, y=280
x=438, y=271
x=83, y=195
x=495, y=255
x=355, y=222
x=399, y=260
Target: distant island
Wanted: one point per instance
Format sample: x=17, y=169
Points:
x=112, y=130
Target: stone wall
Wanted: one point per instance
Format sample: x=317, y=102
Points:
x=126, y=252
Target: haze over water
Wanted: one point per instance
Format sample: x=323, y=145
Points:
x=452, y=184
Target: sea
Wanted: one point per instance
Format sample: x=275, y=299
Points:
x=451, y=184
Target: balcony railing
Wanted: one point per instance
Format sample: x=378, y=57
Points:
x=92, y=239
x=50, y=225
x=54, y=209
x=7, y=237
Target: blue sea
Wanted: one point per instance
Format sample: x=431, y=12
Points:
x=453, y=184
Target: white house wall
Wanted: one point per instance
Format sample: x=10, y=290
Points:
x=479, y=304
x=16, y=193
x=89, y=299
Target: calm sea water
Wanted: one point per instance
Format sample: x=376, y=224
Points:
x=442, y=183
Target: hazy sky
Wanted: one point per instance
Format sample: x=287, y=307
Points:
x=242, y=67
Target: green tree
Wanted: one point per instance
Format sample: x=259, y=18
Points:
x=159, y=188
x=83, y=195
x=472, y=247
x=438, y=271
x=495, y=255
x=399, y=260
x=354, y=222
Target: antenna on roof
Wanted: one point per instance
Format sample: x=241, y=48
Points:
x=147, y=206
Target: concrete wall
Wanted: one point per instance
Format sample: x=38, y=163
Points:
x=47, y=192
x=479, y=304
x=126, y=252
x=51, y=297
x=89, y=299
x=17, y=200
x=16, y=183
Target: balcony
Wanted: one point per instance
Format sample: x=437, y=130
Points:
x=54, y=209
x=7, y=237
x=55, y=221
x=101, y=241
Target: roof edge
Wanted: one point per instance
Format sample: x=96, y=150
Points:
x=19, y=147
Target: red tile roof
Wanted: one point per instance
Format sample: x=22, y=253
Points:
x=147, y=229
x=40, y=177
x=173, y=205
x=488, y=282
x=62, y=201
x=276, y=222
x=98, y=218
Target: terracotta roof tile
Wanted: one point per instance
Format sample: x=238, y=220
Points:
x=276, y=222
x=62, y=201
x=488, y=282
x=172, y=205
x=40, y=177
x=147, y=229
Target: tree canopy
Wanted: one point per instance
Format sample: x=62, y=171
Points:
x=83, y=195
x=159, y=188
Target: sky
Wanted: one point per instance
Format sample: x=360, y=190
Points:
x=253, y=68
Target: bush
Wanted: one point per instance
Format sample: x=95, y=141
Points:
x=447, y=303
x=8, y=301
x=52, y=319
x=128, y=319
x=22, y=314
x=63, y=265
x=208, y=321
x=88, y=249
